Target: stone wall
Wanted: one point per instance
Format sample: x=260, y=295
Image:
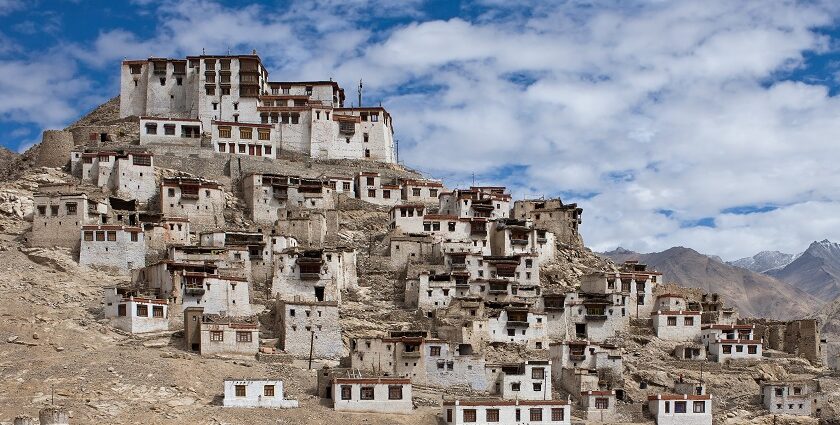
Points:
x=55, y=148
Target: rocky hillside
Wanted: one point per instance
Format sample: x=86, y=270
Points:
x=816, y=271
x=764, y=261
x=754, y=294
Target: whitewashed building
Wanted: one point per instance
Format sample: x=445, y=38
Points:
x=200, y=200
x=372, y=187
x=786, y=398
x=170, y=131
x=681, y=409
x=314, y=275
x=116, y=247
x=127, y=174
x=519, y=326
x=373, y=395
x=499, y=411
x=598, y=405
x=221, y=335
x=135, y=314
x=676, y=325
x=59, y=216
x=260, y=392
x=728, y=342
x=314, y=326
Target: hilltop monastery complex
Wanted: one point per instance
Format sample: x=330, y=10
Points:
x=208, y=196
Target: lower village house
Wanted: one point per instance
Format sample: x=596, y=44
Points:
x=256, y=393
x=373, y=395
x=496, y=411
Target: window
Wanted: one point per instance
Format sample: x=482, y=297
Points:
x=222, y=147
x=469, y=415
x=135, y=69
x=243, y=337
x=263, y=134
x=163, y=81
x=667, y=407
x=672, y=321
x=752, y=349
x=797, y=390
x=345, y=186
x=366, y=137
x=374, y=117
x=395, y=392
x=142, y=310
x=739, y=348
x=224, y=132
x=346, y=391
x=245, y=133
x=225, y=91
x=134, y=237
x=679, y=406
x=699, y=407
x=240, y=391
x=241, y=148
x=536, y=415
x=88, y=236
x=267, y=150
x=54, y=210
x=415, y=191
x=190, y=131
x=434, y=351
x=492, y=415
x=514, y=386
x=71, y=208
x=366, y=393
x=121, y=310
x=727, y=349
x=537, y=386
x=602, y=403
x=157, y=311
x=217, y=336
x=371, y=193
x=386, y=194
x=144, y=160
x=689, y=321
x=537, y=373
x=169, y=129
x=367, y=153
x=100, y=236
x=112, y=236
x=210, y=91
x=557, y=414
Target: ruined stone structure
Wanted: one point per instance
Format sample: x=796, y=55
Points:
x=552, y=215
x=128, y=175
x=59, y=217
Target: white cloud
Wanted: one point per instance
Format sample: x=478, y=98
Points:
x=651, y=106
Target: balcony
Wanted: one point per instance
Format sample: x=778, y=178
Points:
x=596, y=317
x=577, y=357
x=459, y=266
x=519, y=241
x=518, y=323
x=281, y=195
x=542, y=240
x=194, y=290
x=411, y=354
x=189, y=195
x=309, y=276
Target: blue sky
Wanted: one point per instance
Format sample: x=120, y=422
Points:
x=704, y=124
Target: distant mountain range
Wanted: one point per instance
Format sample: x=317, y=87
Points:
x=754, y=294
x=764, y=261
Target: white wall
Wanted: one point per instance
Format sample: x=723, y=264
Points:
x=255, y=390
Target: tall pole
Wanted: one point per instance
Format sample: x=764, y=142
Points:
x=311, y=348
x=360, y=92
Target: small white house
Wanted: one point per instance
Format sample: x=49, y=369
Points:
x=676, y=325
x=788, y=398
x=256, y=393
x=598, y=405
x=681, y=409
x=498, y=411
x=135, y=314
x=373, y=395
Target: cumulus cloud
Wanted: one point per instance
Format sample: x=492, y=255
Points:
x=666, y=121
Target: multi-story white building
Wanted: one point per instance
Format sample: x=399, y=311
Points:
x=314, y=275
x=117, y=247
x=226, y=93
x=786, y=398
x=269, y=196
x=59, y=216
x=200, y=200
x=500, y=411
x=519, y=326
x=489, y=202
x=373, y=188
x=314, y=326
x=530, y=380
x=127, y=175
x=421, y=191
x=250, y=392
x=726, y=342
